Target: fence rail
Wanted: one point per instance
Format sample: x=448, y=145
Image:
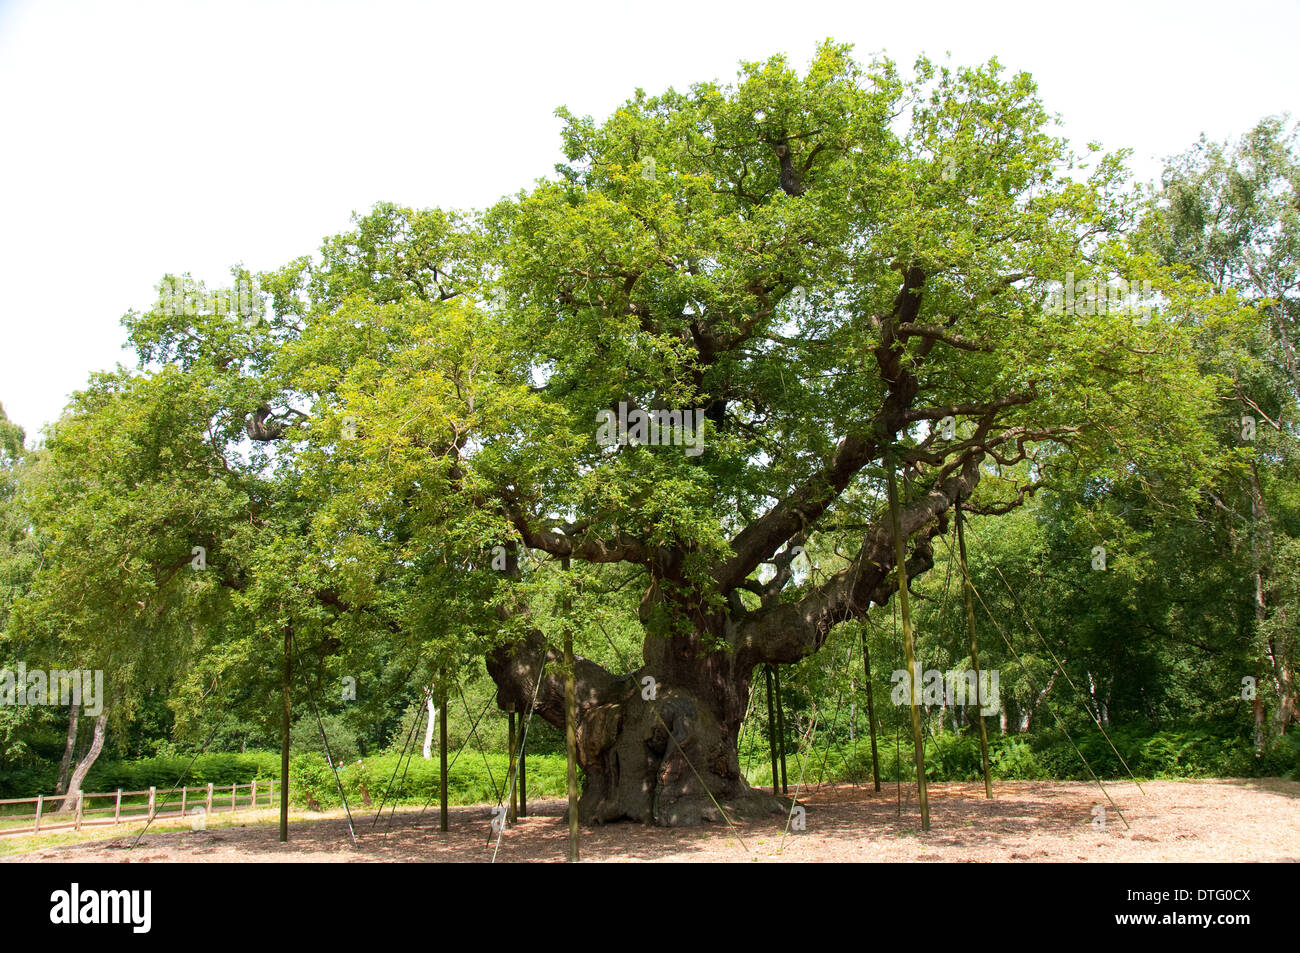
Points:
x=193, y=800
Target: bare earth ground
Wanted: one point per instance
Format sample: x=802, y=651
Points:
x=1239, y=820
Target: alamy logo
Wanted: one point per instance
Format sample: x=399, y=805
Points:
x=179, y=296
x=1095, y=296
x=57, y=687
x=103, y=906
x=653, y=428
x=956, y=689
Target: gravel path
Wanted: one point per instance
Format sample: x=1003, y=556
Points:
x=1237, y=820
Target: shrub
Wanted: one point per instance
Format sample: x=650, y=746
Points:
x=388, y=777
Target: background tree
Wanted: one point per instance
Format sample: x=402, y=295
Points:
x=1228, y=214
x=19, y=558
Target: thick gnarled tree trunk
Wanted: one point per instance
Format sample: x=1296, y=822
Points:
x=673, y=759
x=669, y=760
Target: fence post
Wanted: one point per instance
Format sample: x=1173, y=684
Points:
x=81, y=803
x=153, y=792
x=117, y=807
x=40, y=808
x=233, y=789
x=184, y=791
x=209, y=804
x=253, y=799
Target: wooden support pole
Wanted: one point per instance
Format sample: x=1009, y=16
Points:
x=207, y=807
x=442, y=763
x=570, y=724
x=967, y=587
x=909, y=650
x=512, y=814
x=286, y=714
x=40, y=809
x=871, y=710
x=571, y=745
x=153, y=800
x=81, y=808
x=234, y=798
x=523, y=769
x=771, y=731
x=184, y=791
x=780, y=727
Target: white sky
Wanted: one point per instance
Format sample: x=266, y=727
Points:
x=142, y=138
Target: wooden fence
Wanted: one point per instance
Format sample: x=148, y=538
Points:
x=198, y=800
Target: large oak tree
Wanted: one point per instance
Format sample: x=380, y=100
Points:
x=846, y=271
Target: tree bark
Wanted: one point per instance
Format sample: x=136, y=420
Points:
x=1027, y=717
x=1262, y=556
x=431, y=725
x=69, y=747
x=1284, y=683
x=660, y=761
x=85, y=764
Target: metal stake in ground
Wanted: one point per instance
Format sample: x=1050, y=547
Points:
x=974, y=654
x=900, y=558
